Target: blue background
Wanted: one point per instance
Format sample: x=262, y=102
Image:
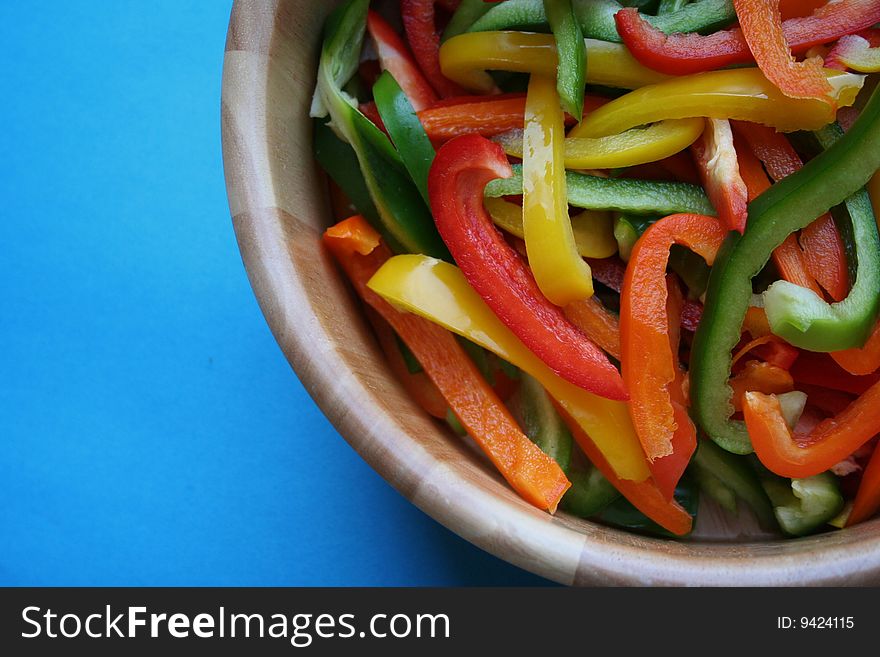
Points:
x=151, y=432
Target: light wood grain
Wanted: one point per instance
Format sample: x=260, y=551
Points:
x=279, y=208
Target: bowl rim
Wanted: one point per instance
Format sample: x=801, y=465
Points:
x=590, y=553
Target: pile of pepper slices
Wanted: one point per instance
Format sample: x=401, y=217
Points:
x=627, y=247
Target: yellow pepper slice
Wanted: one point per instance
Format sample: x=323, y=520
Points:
x=560, y=272
x=593, y=229
x=627, y=149
x=743, y=94
x=438, y=291
x=466, y=58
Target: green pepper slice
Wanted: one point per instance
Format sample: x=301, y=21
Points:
x=825, y=181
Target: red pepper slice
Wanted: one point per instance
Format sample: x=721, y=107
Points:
x=867, y=501
x=424, y=39
x=831, y=441
x=395, y=58
x=834, y=58
x=680, y=54
x=649, y=360
x=533, y=474
x=761, y=25
x=717, y=164
x=822, y=254
x=821, y=370
x=498, y=273
x=798, y=8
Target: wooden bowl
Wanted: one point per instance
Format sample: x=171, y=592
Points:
x=279, y=208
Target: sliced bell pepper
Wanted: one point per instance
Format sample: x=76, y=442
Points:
x=807, y=321
x=439, y=292
x=649, y=364
x=621, y=194
x=680, y=54
x=867, y=501
x=761, y=25
x=831, y=441
x=645, y=495
x=596, y=17
x=571, y=55
x=668, y=6
x=531, y=473
x=799, y=8
x=340, y=162
x=856, y=52
x=589, y=494
x=485, y=116
x=718, y=167
x=424, y=40
x=560, y=272
x=630, y=148
x=534, y=410
x=733, y=94
x=788, y=256
x=461, y=170
x=822, y=256
x=592, y=230
x=597, y=322
x=404, y=219
x=734, y=473
x=802, y=505
x=861, y=360
x=825, y=181
x=403, y=126
x=466, y=58
x=417, y=384
x=468, y=12
x=395, y=58
x=760, y=377
x=821, y=370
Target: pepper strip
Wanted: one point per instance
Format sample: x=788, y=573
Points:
x=715, y=157
x=761, y=26
x=680, y=54
x=424, y=40
x=404, y=219
x=417, y=384
x=648, y=362
x=560, y=272
x=395, y=58
x=596, y=17
x=856, y=52
x=466, y=58
x=621, y=194
x=461, y=170
x=822, y=253
x=831, y=441
x=867, y=501
x=645, y=495
x=733, y=94
x=788, y=257
x=597, y=322
x=572, y=55
x=807, y=321
x=593, y=231
x=824, y=182
x=440, y=293
x=633, y=147
x=531, y=473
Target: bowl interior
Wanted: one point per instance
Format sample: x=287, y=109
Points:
x=278, y=204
